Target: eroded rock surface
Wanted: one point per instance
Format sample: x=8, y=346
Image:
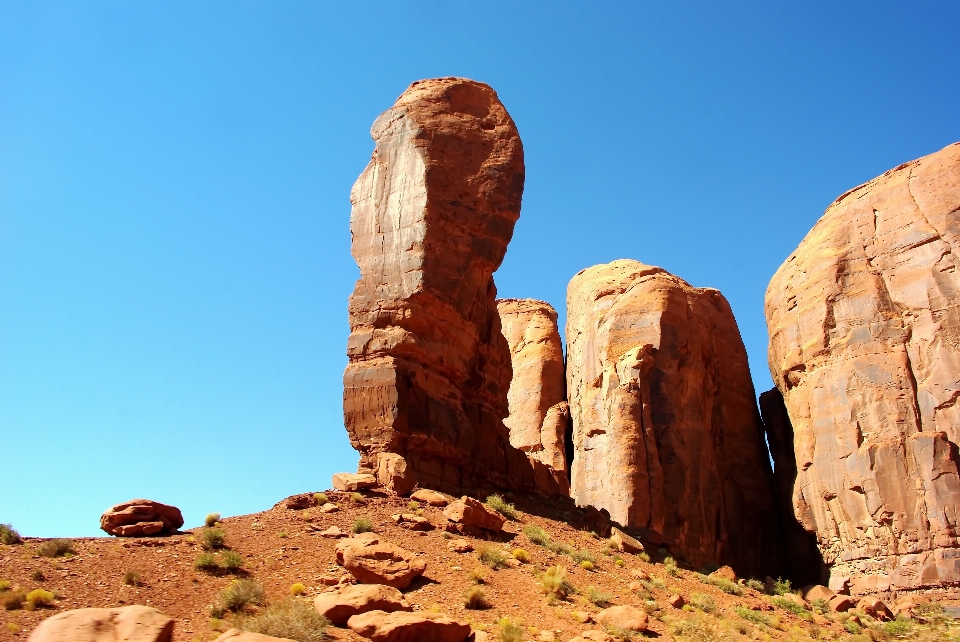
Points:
x=139, y=517
x=129, y=623
x=864, y=325
x=539, y=415
x=339, y=606
x=433, y=211
x=400, y=626
x=666, y=432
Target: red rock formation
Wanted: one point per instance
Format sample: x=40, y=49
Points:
x=864, y=325
x=666, y=432
x=433, y=212
x=539, y=413
x=139, y=517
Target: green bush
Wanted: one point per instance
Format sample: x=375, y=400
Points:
x=9, y=535
x=538, y=536
x=231, y=561
x=320, y=499
x=509, y=630
x=754, y=616
x=291, y=619
x=695, y=629
x=756, y=585
x=782, y=587
x=725, y=585
x=132, y=578
x=212, y=539
x=238, y=595
x=789, y=605
x=497, y=503
x=361, y=525
x=644, y=556
x=554, y=584
x=212, y=519
x=56, y=548
x=475, y=599
x=851, y=627
x=703, y=602
x=598, y=597
x=493, y=557
x=898, y=627
x=206, y=562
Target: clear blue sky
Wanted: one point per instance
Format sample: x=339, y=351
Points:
x=174, y=201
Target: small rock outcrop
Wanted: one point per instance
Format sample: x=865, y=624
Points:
x=626, y=617
x=340, y=606
x=428, y=367
x=666, y=432
x=539, y=414
x=472, y=513
x=371, y=561
x=864, y=321
x=139, y=517
x=400, y=626
x=128, y=623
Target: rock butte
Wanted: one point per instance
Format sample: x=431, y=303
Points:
x=428, y=367
x=666, y=432
x=864, y=325
x=539, y=414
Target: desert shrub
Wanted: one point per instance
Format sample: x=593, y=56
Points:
x=928, y=611
x=292, y=619
x=703, y=602
x=509, y=630
x=132, y=578
x=357, y=498
x=619, y=562
x=4, y=585
x=212, y=538
x=231, y=561
x=754, y=616
x=538, y=536
x=446, y=535
x=297, y=589
x=211, y=520
x=320, y=499
x=695, y=629
x=13, y=627
x=56, y=548
x=587, y=565
x=206, y=562
x=521, y=555
x=898, y=627
x=644, y=556
x=598, y=597
x=493, y=557
x=820, y=605
x=413, y=505
x=13, y=600
x=725, y=585
x=788, y=605
x=756, y=585
x=582, y=556
x=670, y=566
x=282, y=535
x=653, y=583
x=851, y=627
x=554, y=584
x=619, y=633
x=237, y=595
x=38, y=597
x=38, y=576
x=474, y=598
x=782, y=587
x=477, y=576
x=361, y=525
x=497, y=503
x=9, y=535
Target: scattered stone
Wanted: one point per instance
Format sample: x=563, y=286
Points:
x=725, y=573
x=796, y=599
x=139, y=517
x=470, y=512
x=817, y=592
x=412, y=522
x=383, y=563
x=639, y=574
x=353, y=481
x=459, y=546
x=581, y=616
x=592, y=636
x=875, y=608
x=329, y=507
x=334, y=532
x=326, y=580
x=481, y=636
x=401, y=626
x=676, y=601
x=129, y=623
x=340, y=606
x=512, y=562
x=636, y=586
x=394, y=474
x=841, y=603
x=625, y=617
x=299, y=502
x=432, y=498
x=236, y=635
x=624, y=542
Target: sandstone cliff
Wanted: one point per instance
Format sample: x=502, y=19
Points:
x=433, y=211
x=667, y=436
x=539, y=413
x=864, y=325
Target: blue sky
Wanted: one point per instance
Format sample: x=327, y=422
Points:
x=174, y=201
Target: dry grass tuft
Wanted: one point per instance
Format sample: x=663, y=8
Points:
x=292, y=619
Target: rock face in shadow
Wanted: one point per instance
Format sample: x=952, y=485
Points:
x=666, y=432
x=803, y=563
x=864, y=325
x=539, y=414
x=432, y=214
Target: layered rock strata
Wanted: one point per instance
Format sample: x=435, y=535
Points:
x=666, y=432
x=433, y=211
x=539, y=414
x=864, y=325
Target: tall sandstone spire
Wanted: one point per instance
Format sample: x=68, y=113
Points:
x=864, y=325
x=667, y=435
x=425, y=389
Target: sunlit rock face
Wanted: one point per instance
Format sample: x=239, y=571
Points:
x=864, y=325
x=433, y=211
x=666, y=432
